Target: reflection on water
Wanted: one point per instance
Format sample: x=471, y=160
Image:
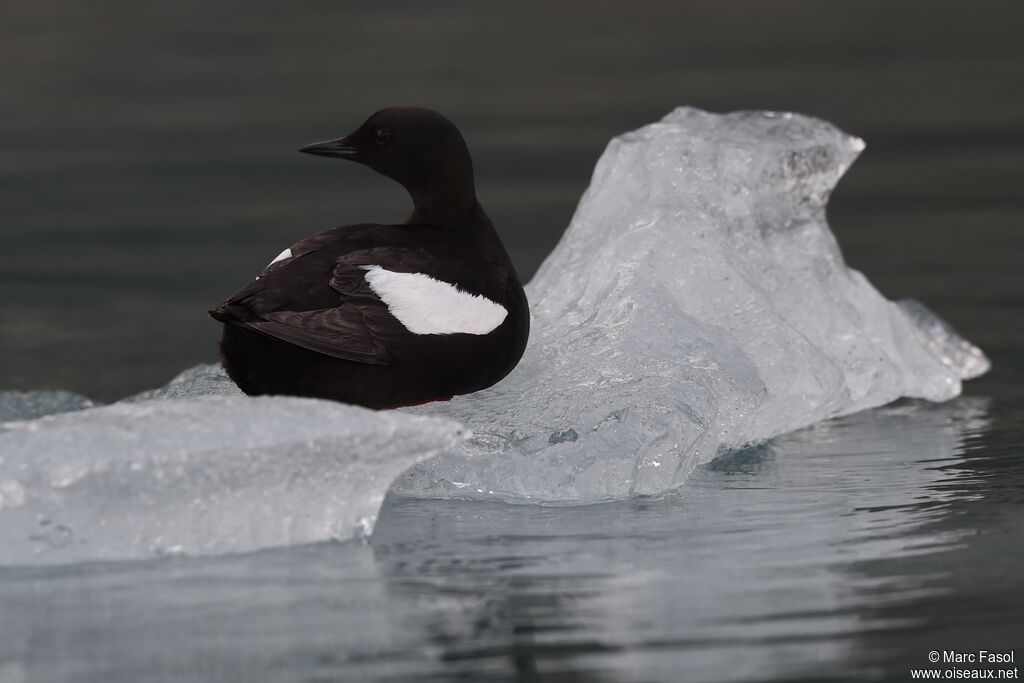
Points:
x=754, y=554
x=832, y=551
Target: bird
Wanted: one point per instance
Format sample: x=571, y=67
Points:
x=386, y=315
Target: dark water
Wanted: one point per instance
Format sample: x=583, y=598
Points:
x=148, y=169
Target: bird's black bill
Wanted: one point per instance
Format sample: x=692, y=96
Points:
x=339, y=149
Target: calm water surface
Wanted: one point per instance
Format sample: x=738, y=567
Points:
x=148, y=169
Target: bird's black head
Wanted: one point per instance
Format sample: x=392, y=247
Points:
x=420, y=149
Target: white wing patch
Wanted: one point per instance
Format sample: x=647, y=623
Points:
x=287, y=253
x=429, y=306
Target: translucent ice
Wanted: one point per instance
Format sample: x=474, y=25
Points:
x=962, y=356
x=28, y=405
x=208, y=475
x=201, y=380
x=698, y=302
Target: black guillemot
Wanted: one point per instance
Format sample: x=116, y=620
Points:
x=386, y=315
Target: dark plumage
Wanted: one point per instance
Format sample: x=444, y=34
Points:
x=352, y=313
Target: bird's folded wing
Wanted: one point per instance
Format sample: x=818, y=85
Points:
x=348, y=332
x=320, y=299
x=295, y=301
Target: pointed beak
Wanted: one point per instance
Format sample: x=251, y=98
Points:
x=339, y=149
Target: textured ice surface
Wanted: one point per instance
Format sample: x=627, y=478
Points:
x=28, y=405
x=941, y=339
x=698, y=302
x=201, y=380
x=207, y=475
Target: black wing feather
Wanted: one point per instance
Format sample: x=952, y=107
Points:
x=293, y=300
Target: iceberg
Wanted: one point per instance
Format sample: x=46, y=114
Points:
x=698, y=303
x=210, y=475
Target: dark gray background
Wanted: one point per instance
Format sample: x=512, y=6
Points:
x=148, y=162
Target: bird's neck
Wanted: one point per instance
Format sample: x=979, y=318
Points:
x=452, y=202
x=448, y=199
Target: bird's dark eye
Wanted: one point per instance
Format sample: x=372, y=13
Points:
x=381, y=136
